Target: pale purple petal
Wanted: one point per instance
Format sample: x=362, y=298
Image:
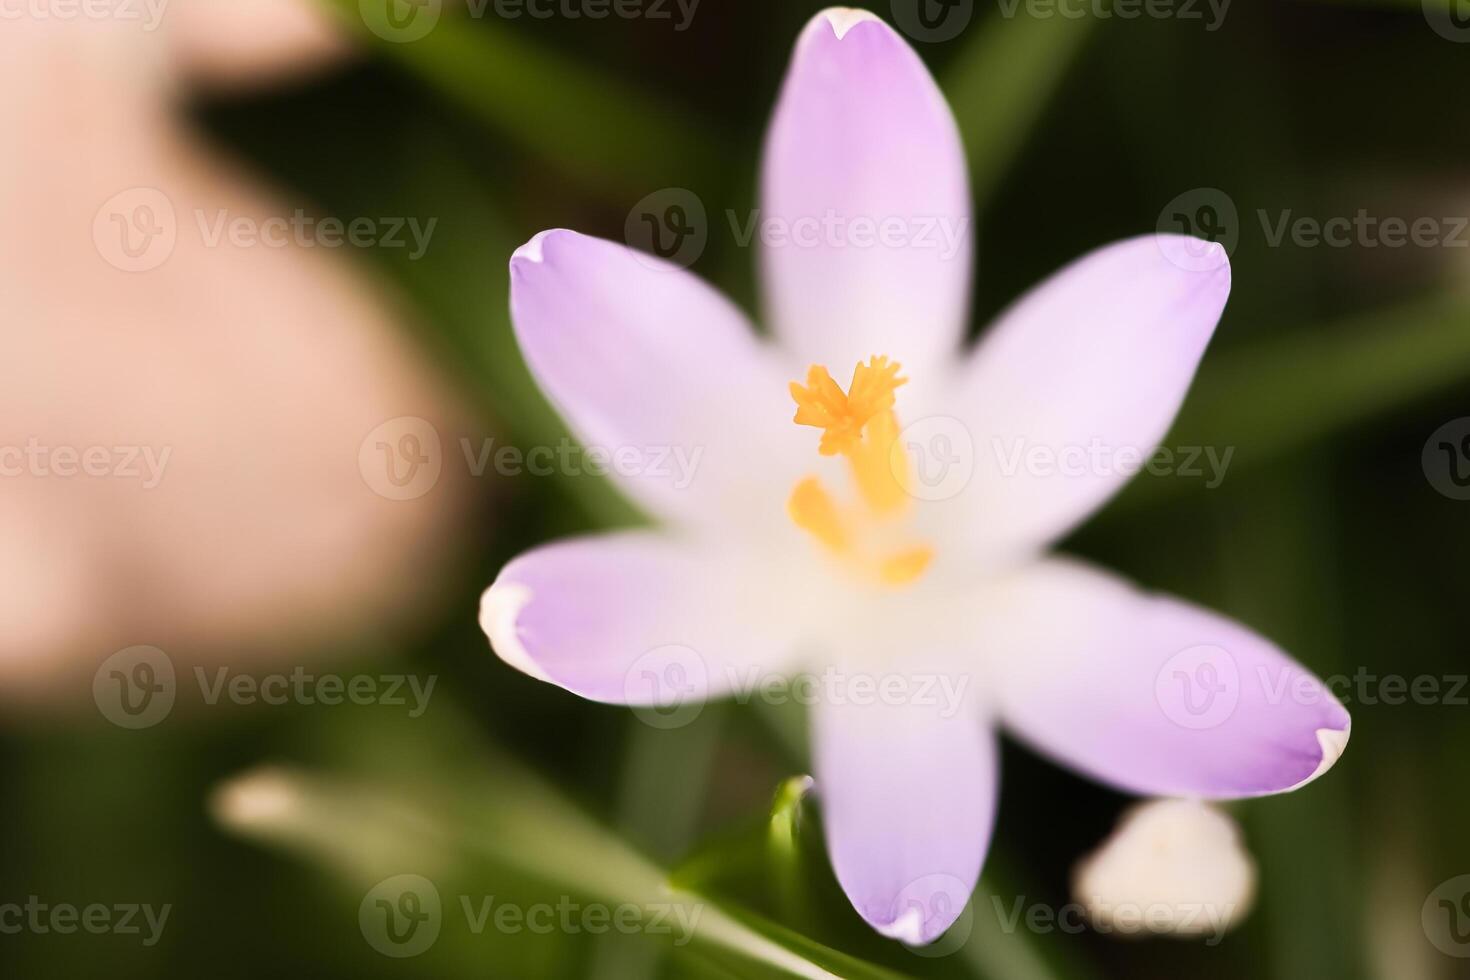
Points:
x=658, y=371
x=862, y=139
x=638, y=617
x=1071, y=390
x=908, y=799
x=1149, y=693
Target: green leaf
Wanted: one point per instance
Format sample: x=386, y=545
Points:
x=783, y=844
x=662, y=791
x=475, y=820
x=1000, y=84
x=1277, y=396
x=599, y=130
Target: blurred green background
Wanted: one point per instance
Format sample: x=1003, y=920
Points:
x=1331, y=369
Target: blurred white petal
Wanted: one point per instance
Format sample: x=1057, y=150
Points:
x=1171, y=866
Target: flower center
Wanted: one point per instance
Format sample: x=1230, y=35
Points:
x=861, y=426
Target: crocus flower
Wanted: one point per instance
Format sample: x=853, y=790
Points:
x=815, y=547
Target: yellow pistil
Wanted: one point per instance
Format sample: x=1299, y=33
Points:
x=906, y=566
x=842, y=415
x=814, y=511
x=859, y=424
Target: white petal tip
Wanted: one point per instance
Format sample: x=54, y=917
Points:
x=500, y=608
x=844, y=19
x=907, y=928
x=1333, y=742
x=1209, y=261
x=263, y=797
x=532, y=251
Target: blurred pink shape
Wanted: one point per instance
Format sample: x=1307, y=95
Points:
x=260, y=371
x=242, y=42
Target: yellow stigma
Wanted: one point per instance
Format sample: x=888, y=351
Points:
x=860, y=425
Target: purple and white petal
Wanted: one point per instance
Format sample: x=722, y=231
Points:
x=639, y=617
x=1071, y=390
x=657, y=371
x=1149, y=693
x=865, y=217
x=908, y=800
